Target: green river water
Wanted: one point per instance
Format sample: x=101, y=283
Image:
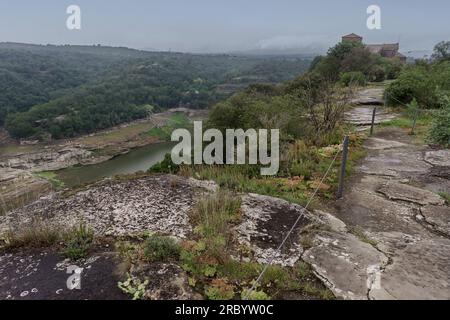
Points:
x=140, y=159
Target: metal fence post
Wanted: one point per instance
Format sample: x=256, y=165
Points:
x=343, y=166
x=373, y=120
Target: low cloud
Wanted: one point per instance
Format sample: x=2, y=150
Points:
x=305, y=43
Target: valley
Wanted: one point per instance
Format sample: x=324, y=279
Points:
x=84, y=179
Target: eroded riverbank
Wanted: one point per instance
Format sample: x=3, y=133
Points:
x=124, y=149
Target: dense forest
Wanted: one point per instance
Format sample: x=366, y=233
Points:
x=51, y=92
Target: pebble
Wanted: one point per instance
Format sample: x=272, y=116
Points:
x=24, y=293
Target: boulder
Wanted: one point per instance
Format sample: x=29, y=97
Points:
x=346, y=265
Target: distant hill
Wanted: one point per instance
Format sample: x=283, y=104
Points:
x=61, y=91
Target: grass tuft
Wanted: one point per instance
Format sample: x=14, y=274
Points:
x=78, y=241
x=446, y=196
x=161, y=249
x=35, y=234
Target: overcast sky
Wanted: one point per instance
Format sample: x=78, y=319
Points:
x=225, y=25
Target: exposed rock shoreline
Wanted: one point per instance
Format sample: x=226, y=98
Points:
x=84, y=150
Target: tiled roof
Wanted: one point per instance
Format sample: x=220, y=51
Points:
x=352, y=35
x=377, y=48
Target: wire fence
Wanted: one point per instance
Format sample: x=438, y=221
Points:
x=291, y=230
x=278, y=250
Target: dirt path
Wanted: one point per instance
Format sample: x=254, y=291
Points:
x=391, y=203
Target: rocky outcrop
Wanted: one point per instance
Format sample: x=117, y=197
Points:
x=346, y=265
x=19, y=187
x=155, y=203
x=50, y=159
x=265, y=222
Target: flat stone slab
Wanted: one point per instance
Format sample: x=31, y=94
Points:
x=265, y=222
x=370, y=96
x=421, y=271
x=438, y=158
x=362, y=116
x=404, y=192
x=43, y=276
x=156, y=204
x=331, y=221
x=382, y=144
x=395, y=162
x=345, y=264
x=375, y=213
x=438, y=217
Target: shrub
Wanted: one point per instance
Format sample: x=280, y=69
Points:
x=165, y=166
x=439, y=132
x=392, y=67
x=358, y=60
x=377, y=73
x=161, y=249
x=413, y=108
x=425, y=83
x=353, y=78
x=254, y=295
x=412, y=83
x=219, y=290
x=78, y=241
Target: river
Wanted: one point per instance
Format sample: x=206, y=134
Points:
x=140, y=159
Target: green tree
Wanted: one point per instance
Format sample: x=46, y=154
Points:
x=441, y=51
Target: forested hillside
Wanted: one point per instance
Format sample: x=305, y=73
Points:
x=62, y=91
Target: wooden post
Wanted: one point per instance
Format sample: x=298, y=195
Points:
x=343, y=166
x=373, y=120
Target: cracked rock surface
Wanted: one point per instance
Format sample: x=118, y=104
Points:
x=437, y=217
x=265, y=222
x=405, y=192
x=342, y=261
x=369, y=96
x=362, y=116
x=392, y=201
x=156, y=203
